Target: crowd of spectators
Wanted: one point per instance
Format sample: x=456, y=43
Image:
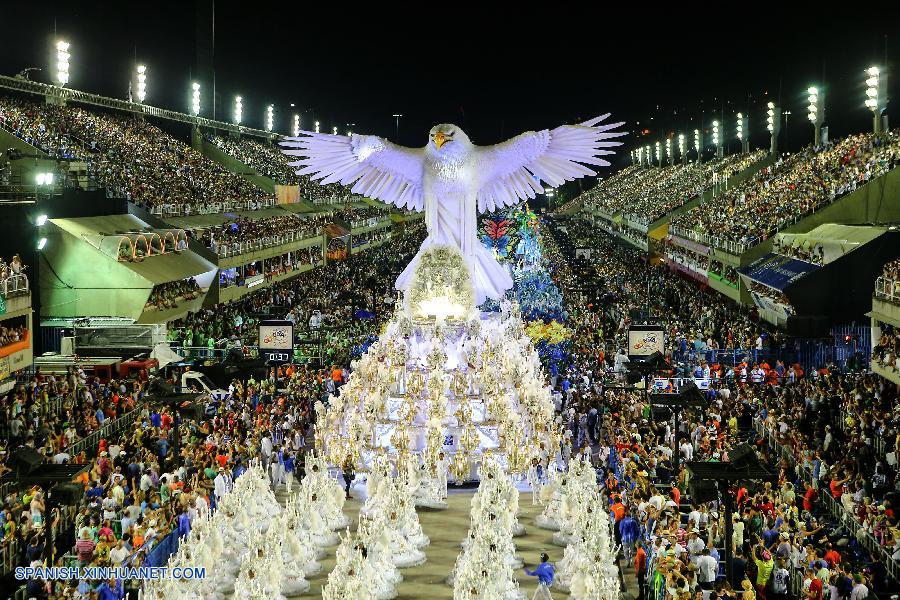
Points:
x=129, y=155
x=53, y=415
x=814, y=254
x=644, y=194
x=888, y=286
x=10, y=334
x=168, y=295
x=268, y=160
x=792, y=188
x=819, y=433
x=234, y=233
x=331, y=296
x=361, y=217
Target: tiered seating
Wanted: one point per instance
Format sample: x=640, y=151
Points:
x=786, y=192
x=133, y=157
x=269, y=161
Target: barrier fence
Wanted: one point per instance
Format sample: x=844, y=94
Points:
x=887, y=289
x=237, y=248
x=14, y=284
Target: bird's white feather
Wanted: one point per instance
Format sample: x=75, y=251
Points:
x=508, y=170
x=370, y=165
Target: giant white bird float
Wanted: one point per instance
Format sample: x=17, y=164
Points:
x=450, y=178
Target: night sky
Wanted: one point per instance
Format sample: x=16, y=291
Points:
x=515, y=69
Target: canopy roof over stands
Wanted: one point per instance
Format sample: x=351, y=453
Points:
x=834, y=239
x=98, y=231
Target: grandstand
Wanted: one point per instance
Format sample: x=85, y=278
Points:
x=159, y=241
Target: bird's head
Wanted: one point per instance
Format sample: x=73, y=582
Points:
x=447, y=139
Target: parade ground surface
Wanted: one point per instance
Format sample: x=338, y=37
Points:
x=447, y=528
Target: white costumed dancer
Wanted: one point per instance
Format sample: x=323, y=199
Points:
x=452, y=180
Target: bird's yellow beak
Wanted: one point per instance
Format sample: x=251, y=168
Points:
x=439, y=139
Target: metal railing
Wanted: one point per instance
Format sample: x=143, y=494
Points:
x=209, y=208
x=887, y=289
x=14, y=284
x=730, y=246
x=237, y=248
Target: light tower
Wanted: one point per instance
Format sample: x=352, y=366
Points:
x=698, y=144
x=716, y=140
x=238, y=109
x=195, y=99
x=141, y=81
x=743, y=134
x=876, y=96
x=669, y=158
x=773, y=124
x=815, y=112
x=658, y=154
x=270, y=117
x=649, y=154
x=317, y=126
x=681, y=151
x=295, y=129
x=62, y=63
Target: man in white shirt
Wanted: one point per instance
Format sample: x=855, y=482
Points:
x=707, y=569
x=118, y=554
x=687, y=451
x=221, y=485
x=859, y=591
x=694, y=544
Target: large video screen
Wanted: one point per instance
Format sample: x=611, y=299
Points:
x=644, y=340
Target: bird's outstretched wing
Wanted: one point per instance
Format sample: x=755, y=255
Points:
x=374, y=167
x=510, y=171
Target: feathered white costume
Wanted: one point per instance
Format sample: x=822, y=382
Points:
x=451, y=177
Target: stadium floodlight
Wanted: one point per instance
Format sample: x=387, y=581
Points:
x=317, y=127
x=41, y=243
x=773, y=124
x=681, y=144
x=44, y=178
x=658, y=154
x=141, y=79
x=876, y=95
x=740, y=126
x=639, y=154
x=815, y=111
x=270, y=117
x=334, y=131
x=698, y=144
x=41, y=220
x=669, y=150
x=295, y=129
x=62, y=62
x=195, y=98
x=813, y=108
x=715, y=133
x=238, y=109
x=649, y=155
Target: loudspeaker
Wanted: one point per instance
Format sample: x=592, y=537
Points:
x=65, y=494
x=703, y=490
x=690, y=391
x=742, y=455
x=660, y=414
x=25, y=460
